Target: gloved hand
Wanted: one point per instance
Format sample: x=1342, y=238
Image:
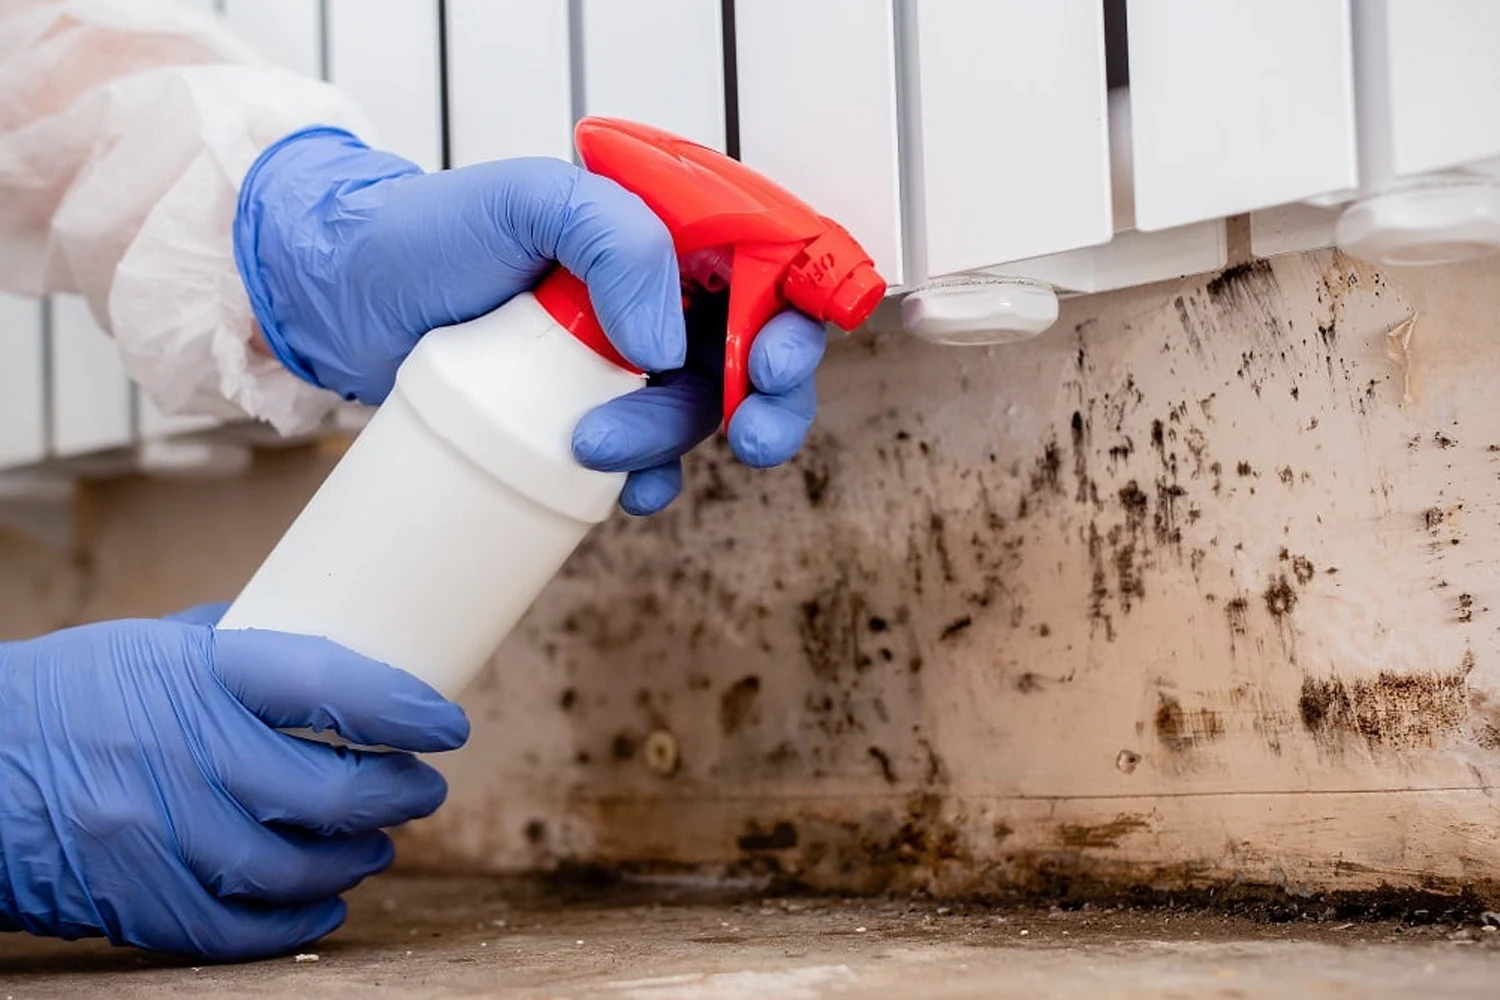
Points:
x=146, y=796
x=350, y=255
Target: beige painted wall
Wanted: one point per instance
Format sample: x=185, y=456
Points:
x=1198, y=586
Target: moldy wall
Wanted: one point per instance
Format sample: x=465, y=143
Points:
x=1196, y=587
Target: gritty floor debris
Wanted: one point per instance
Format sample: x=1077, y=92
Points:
x=305, y=958
x=658, y=942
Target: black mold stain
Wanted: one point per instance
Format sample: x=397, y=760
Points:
x=815, y=485
x=1302, y=569
x=717, y=488
x=1280, y=598
x=954, y=627
x=1134, y=501
x=1389, y=711
x=1165, y=519
x=782, y=836
x=884, y=760
x=737, y=705
x=827, y=628
x=937, y=530
x=1100, y=835
x=1180, y=730
x=622, y=747
x=1239, y=280
x=885, y=849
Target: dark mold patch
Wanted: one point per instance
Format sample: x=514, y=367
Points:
x=815, y=484
x=1135, y=502
x=1240, y=280
x=828, y=629
x=622, y=747
x=884, y=760
x=954, y=627
x=1180, y=730
x=737, y=705
x=883, y=851
x=1302, y=569
x=782, y=836
x=1280, y=598
x=1101, y=835
x=1390, y=711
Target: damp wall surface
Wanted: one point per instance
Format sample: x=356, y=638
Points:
x=1195, y=588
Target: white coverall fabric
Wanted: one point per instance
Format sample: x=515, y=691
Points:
x=126, y=129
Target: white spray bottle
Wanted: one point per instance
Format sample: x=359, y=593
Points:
x=461, y=498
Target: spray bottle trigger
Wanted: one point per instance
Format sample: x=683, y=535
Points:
x=754, y=297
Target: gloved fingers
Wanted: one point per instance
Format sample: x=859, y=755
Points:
x=651, y=490
x=328, y=791
x=786, y=353
x=649, y=427
x=542, y=210
x=236, y=931
x=202, y=614
x=768, y=430
x=304, y=682
x=470, y=239
x=255, y=863
x=624, y=253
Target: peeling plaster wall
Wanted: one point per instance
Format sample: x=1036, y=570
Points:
x=1196, y=587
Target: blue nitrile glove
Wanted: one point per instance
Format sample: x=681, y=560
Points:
x=146, y=794
x=350, y=255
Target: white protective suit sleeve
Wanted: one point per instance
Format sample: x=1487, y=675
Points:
x=126, y=128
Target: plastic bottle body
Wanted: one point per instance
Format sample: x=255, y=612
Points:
x=455, y=505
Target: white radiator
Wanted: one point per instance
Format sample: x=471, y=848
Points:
x=948, y=135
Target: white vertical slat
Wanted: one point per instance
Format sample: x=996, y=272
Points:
x=384, y=54
x=1012, y=131
x=1238, y=106
x=660, y=62
x=509, y=83
x=285, y=32
x=1292, y=229
x=90, y=393
x=1130, y=259
x=1444, y=82
x=841, y=156
x=23, y=428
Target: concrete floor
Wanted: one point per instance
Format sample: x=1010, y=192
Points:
x=431, y=938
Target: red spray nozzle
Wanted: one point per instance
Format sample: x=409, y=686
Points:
x=781, y=251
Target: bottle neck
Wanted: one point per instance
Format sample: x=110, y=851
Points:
x=566, y=300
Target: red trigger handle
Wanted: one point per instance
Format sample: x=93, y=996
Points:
x=784, y=253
